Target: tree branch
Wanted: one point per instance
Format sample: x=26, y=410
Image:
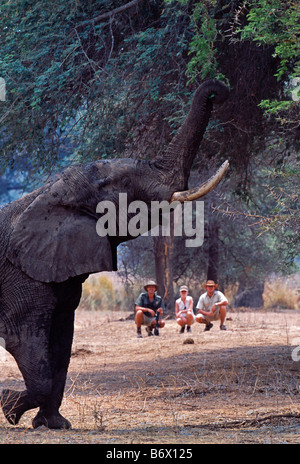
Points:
x=109, y=14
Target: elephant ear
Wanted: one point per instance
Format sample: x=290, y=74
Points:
x=53, y=239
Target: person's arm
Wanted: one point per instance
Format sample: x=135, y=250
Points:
x=140, y=308
x=182, y=312
x=205, y=313
x=191, y=305
x=161, y=309
x=223, y=302
x=200, y=307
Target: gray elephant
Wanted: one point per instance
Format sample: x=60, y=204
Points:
x=49, y=246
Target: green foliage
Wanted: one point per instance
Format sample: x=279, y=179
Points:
x=79, y=92
x=202, y=45
x=277, y=23
x=274, y=107
x=36, y=56
x=86, y=92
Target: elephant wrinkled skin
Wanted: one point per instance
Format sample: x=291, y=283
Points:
x=49, y=246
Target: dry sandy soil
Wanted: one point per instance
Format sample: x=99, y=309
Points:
x=238, y=386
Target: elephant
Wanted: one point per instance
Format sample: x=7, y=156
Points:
x=49, y=246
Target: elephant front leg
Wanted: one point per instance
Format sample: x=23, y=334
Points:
x=44, y=380
x=33, y=362
x=60, y=352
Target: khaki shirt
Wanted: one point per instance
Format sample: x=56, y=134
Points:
x=205, y=302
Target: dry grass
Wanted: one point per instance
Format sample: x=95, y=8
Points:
x=105, y=291
x=238, y=386
x=282, y=292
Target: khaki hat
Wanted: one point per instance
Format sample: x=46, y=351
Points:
x=211, y=283
x=183, y=288
x=150, y=282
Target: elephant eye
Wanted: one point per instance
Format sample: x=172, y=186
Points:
x=103, y=182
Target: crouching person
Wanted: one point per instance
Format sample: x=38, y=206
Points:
x=212, y=306
x=149, y=308
x=184, y=310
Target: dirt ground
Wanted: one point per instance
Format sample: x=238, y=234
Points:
x=238, y=386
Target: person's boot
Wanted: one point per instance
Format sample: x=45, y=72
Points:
x=149, y=331
x=208, y=327
x=188, y=329
x=182, y=329
x=139, y=332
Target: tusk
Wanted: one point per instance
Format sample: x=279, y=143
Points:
x=204, y=189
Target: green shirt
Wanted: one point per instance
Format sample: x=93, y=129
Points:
x=144, y=302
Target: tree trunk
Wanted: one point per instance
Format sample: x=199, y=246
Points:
x=213, y=250
x=163, y=256
x=158, y=248
x=249, y=296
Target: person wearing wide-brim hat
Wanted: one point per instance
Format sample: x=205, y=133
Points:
x=184, y=309
x=212, y=306
x=149, y=307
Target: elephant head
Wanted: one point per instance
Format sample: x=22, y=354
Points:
x=54, y=237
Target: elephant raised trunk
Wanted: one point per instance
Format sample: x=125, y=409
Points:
x=179, y=156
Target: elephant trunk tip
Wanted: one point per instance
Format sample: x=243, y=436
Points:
x=215, y=90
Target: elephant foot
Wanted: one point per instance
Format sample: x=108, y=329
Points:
x=51, y=421
x=14, y=404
